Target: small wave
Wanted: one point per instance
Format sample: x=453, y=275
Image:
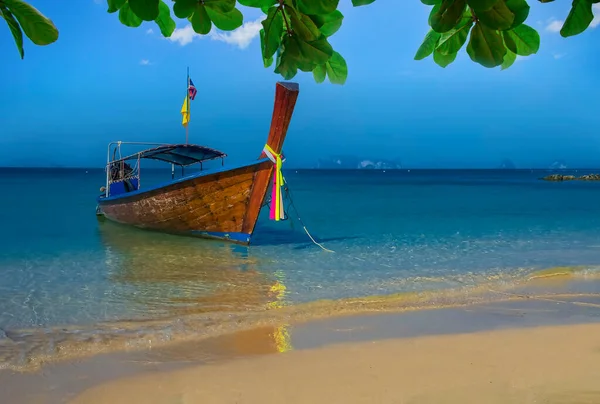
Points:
x=566, y=272
x=28, y=349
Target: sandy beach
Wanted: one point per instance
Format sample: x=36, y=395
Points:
x=527, y=351
x=532, y=350
x=558, y=364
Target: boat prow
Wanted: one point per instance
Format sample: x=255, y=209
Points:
x=222, y=203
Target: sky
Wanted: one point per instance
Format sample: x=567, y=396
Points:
x=102, y=81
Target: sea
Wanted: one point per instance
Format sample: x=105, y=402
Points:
x=73, y=284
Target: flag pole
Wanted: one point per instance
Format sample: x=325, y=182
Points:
x=187, y=94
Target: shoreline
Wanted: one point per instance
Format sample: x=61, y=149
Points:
x=113, y=372
x=75, y=343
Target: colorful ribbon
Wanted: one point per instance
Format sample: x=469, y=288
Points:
x=277, y=212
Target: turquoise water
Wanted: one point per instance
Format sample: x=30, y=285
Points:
x=392, y=232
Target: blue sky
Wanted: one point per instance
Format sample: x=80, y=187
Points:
x=103, y=81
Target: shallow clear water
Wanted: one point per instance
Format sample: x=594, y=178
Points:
x=394, y=231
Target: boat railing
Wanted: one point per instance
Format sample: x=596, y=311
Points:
x=121, y=171
x=120, y=177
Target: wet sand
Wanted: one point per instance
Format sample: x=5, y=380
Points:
x=515, y=351
x=559, y=364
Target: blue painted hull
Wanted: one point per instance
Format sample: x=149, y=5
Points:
x=241, y=238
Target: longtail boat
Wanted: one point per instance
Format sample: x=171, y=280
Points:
x=220, y=203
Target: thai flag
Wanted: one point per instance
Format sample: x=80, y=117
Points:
x=192, y=90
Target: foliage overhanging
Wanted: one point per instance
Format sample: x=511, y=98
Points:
x=295, y=34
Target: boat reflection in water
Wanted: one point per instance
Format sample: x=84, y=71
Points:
x=164, y=276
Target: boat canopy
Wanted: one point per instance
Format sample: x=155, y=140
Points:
x=178, y=154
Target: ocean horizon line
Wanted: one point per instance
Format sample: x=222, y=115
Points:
x=529, y=169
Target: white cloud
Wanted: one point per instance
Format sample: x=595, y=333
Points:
x=183, y=35
x=554, y=25
x=144, y=62
x=241, y=37
x=558, y=55
x=596, y=21
x=149, y=31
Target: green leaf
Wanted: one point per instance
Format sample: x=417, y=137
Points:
x=486, y=46
x=164, y=20
x=328, y=24
x=257, y=3
x=287, y=58
x=520, y=9
x=128, y=18
x=317, y=7
x=428, y=45
x=434, y=10
x=314, y=52
x=226, y=21
x=319, y=73
x=15, y=29
x=431, y=2
x=450, y=42
x=266, y=9
x=579, y=18
x=522, y=40
x=268, y=61
x=184, y=8
x=481, y=5
x=303, y=26
x=443, y=60
x=34, y=24
x=298, y=54
x=273, y=26
x=147, y=10
x=200, y=20
x=221, y=6
x=358, y=3
x=337, y=69
x=445, y=17
x=115, y=5
x=498, y=17
x=509, y=59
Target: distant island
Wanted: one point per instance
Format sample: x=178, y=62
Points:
x=558, y=165
x=507, y=164
x=354, y=162
x=357, y=163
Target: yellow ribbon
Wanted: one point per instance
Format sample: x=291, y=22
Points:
x=277, y=208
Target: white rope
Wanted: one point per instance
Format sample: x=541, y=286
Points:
x=313, y=240
x=293, y=205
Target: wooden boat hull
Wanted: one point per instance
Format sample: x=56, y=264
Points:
x=212, y=205
x=221, y=204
